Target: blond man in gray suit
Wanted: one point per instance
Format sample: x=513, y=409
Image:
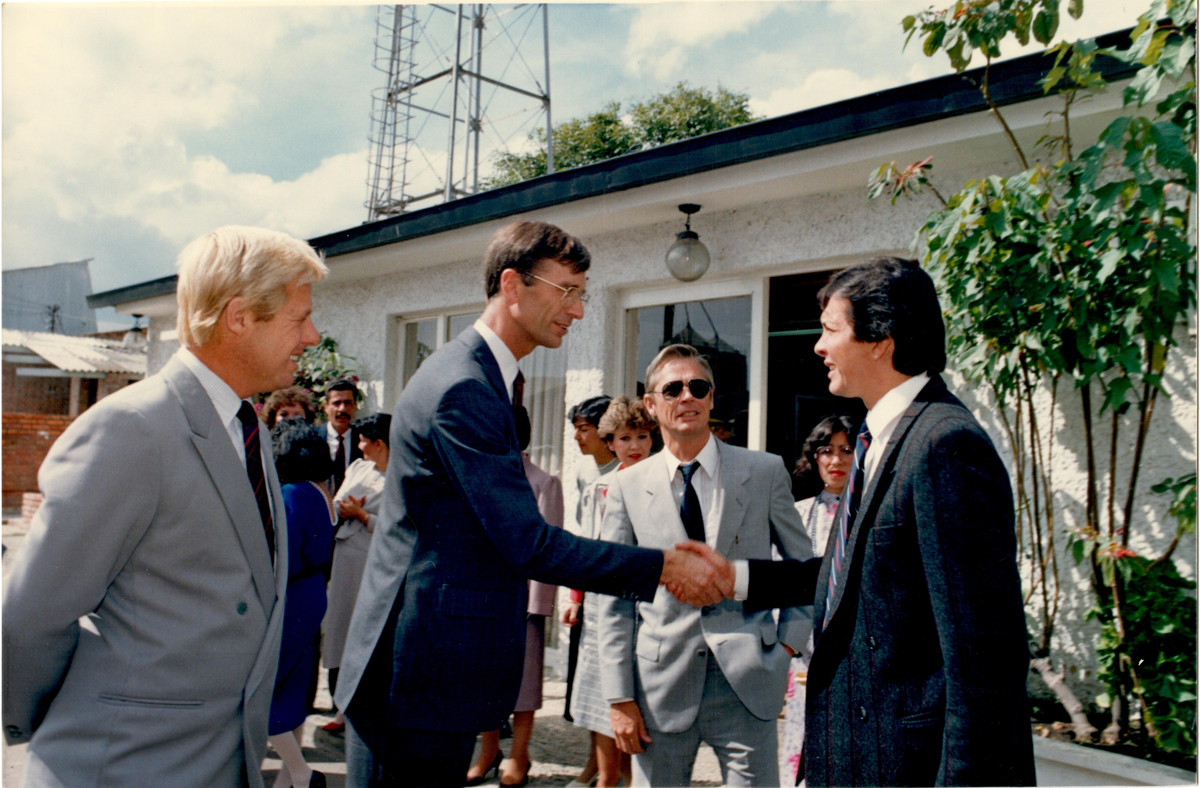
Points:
x=142, y=618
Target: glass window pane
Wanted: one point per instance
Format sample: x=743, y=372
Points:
x=420, y=340
x=545, y=373
x=719, y=329
x=458, y=323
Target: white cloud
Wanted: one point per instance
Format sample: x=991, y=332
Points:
x=661, y=35
x=98, y=100
x=824, y=86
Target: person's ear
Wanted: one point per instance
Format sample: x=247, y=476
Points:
x=510, y=282
x=884, y=350
x=236, y=316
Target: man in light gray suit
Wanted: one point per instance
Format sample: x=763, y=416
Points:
x=675, y=675
x=142, y=619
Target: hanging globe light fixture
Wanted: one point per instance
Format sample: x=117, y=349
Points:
x=688, y=259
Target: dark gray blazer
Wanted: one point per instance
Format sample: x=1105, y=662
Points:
x=919, y=678
x=437, y=639
x=149, y=529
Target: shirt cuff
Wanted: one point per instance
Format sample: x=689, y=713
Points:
x=576, y=596
x=741, y=581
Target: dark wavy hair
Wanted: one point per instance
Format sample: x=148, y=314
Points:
x=375, y=427
x=890, y=297
x=808, y=477
x=301, y=452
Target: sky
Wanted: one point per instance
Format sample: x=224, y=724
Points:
x=130, y=128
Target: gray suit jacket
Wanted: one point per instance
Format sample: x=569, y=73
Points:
x=150, y=530
x=756, y=510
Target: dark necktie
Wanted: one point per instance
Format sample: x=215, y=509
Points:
x=518, y=397
x=339, y=464
x=254, y=470
x=853, y=495
x=689, y=512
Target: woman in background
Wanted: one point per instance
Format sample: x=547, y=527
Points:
x=358, y=501
x=302, y=463
x=823, y=470
x=629, y=431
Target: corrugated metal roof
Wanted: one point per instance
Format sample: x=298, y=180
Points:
x=80, y=354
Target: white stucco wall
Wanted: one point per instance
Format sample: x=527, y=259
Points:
x=815, y=232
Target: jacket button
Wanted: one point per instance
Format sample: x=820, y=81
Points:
x=872, y=642
x=862, y=712
x=707, y=609
x=242, y=608
x=702, y=653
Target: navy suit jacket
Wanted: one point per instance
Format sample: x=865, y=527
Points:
x=437, y=638
x=919, y=678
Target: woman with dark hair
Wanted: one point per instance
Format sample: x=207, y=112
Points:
x=302, y=462
x=823, y=469
x=357, y=501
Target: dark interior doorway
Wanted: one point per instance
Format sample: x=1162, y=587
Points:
x=797, y=384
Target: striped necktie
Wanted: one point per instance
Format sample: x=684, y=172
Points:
x=254, y=470
x=853, y=494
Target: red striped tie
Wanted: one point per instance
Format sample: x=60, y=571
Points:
x=853, y=495
x=254, y=470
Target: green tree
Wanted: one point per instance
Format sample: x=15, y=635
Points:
x=680, y=114
x=1077, y=271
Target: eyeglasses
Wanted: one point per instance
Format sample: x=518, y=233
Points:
x=570, y=295
x=827, y=451
x=698, y=386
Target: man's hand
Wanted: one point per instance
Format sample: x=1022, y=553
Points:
x=570, y=614
x=628, y=727
x=722, y=582
x=694, y=578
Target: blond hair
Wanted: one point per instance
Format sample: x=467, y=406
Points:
x=624, y=412
x=674, y=353
x=229, y=262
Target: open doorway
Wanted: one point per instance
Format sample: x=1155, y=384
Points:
x=797, y=384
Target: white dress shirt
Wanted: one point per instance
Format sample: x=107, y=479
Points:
x=883, y=418
x=227, y=404
x=707, y=482
x=504, y=357
x=224, y=399
x=332, y=438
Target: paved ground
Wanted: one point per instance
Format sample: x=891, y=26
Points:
x=558, y=748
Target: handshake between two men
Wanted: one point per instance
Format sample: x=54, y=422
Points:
x=697, y=575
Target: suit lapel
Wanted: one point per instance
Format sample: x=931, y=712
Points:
x=660, y=499
x=228, y=476
x=491, y=371
x=732, y=498
x=879, y=483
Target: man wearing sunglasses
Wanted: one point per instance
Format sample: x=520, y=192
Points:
x=675, y=675
x=444, y=589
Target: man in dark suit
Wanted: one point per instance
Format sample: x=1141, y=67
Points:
x=341, y=403
x=918, y=674
x=436, y=643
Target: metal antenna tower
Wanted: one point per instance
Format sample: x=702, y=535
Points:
x=460, y=89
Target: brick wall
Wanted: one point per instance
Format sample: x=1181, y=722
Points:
x=27, y=437
x=35, y=395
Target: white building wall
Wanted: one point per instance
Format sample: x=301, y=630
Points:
x=808, y=233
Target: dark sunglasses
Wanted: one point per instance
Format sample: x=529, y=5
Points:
x=698, y=386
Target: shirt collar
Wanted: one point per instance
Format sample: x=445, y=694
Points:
x=709, y=459
x=503, y=355
x=224, y=399
x=891, y=405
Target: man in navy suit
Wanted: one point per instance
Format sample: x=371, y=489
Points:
x=436, y=643
x=918, y=674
